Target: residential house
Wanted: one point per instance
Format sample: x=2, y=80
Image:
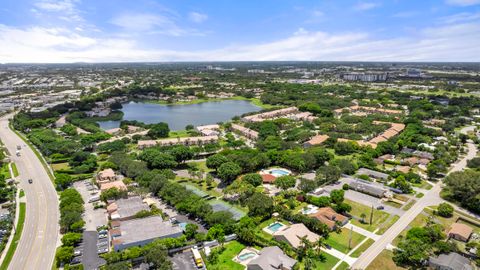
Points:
x=450, y=261
x=114, y=184
x=373, y=174
x=294, y=233
x=271, y=258
x=249, y=133
x=460, y=232
x=316, y=140
x=329, y=217
x=106, y=175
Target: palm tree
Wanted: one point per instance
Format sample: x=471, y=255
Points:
x=363, y=216
x=319, y=244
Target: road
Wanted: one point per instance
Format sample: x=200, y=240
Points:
x=36, y=248
x=432, y=197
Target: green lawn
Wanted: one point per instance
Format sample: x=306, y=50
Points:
x=178, y=134
x=14, y=169
x=409, y=205
x=16, y=237
x=21, y=193
x=339, y=241
x=343, y=266
x=384, y=261
x=200, y=165
x=379, y=216
x=60, y=166
x=384, y=227
x=362, y=248
x=328, y=264
x=225, y=258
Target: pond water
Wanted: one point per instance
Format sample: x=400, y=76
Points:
x=178, y=116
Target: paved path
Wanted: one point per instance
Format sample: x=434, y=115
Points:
x=36, y=248
x=432, y=197
x=362, y=231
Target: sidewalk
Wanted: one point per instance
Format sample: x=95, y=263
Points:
x=362, y=231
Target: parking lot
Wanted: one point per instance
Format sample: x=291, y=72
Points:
x=93, y=217
x=183, y=261
x=172, y=213
x=362, y=198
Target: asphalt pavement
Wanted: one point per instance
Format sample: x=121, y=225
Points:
x=36, y=248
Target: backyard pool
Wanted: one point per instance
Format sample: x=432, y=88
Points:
x=277, y=172
x=246, y=256
x=274, y=227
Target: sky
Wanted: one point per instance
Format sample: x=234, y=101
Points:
x=64, y=31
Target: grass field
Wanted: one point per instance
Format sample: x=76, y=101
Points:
x=16, y=237
x=384, y=261
x=328, y=264
x=409, y=205
x=362, y=248
x=343, y=266
x=339, y=241
x=225, y=258
x=384, y=226
x=14, y=169
x=358, y=209
x=60, y=166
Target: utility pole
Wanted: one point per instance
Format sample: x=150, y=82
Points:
x=371, y=215
x=350, y=238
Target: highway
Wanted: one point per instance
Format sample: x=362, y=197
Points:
x=36, y=248
x=432, y=197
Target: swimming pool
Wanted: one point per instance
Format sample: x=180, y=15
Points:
x=247, y=255
x=277, y=172
x=275, y=226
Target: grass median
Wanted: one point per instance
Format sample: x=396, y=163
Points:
x=16, y=237
x=14, y=169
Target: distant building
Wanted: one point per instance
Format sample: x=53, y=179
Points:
x=460, y=232
x=365, y=77
x=106, y=175
x=450, y=261
x=249, y=133
x=141, y=231
x=124, y=209
x=372, y=174
x=316, y=140
x=370, y=188
x=271, y=258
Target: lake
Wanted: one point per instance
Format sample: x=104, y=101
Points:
x=178, y=116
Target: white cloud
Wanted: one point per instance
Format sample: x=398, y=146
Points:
x=197, y=17
x=363, y=6
x=452, y=42
x=145, y=23
x=460, y=17
x=65, y=8
x=463, y=3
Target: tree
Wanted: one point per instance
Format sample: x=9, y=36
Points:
x=215, y=161
x=363, y=216
x=345, y=148
x=337, y=196
x=259, y=205
x=445, y=210
x=158, y=257
x=160, y=130
x=228, y=171
x=71, y=239
x=62, y=180
x=254, y=179
x=191, y=230
x=402, y=184
x=181, y=153
x=464, y=187
x=64, y=255
x=157, y=159
x=307, y=185
x=189, y=127
x=411, y=253
x=245, y=230
x=328, y=174
x=215, y=232
x=285, y=182
x=346, y=166
x=474, y=163
x=267, y=128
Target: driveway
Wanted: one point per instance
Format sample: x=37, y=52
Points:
x=93, y=217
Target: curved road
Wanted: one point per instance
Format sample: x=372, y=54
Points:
x=36, y=248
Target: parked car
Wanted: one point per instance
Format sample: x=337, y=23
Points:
x=76, y=260
x=77, y=252
x=30, y=181
x=380, y=207
x=102, y=236
x=102, y=250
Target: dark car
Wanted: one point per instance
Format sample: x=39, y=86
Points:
x=30, y=181
x=380, y=207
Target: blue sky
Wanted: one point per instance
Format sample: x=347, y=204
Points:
x=224, y=30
